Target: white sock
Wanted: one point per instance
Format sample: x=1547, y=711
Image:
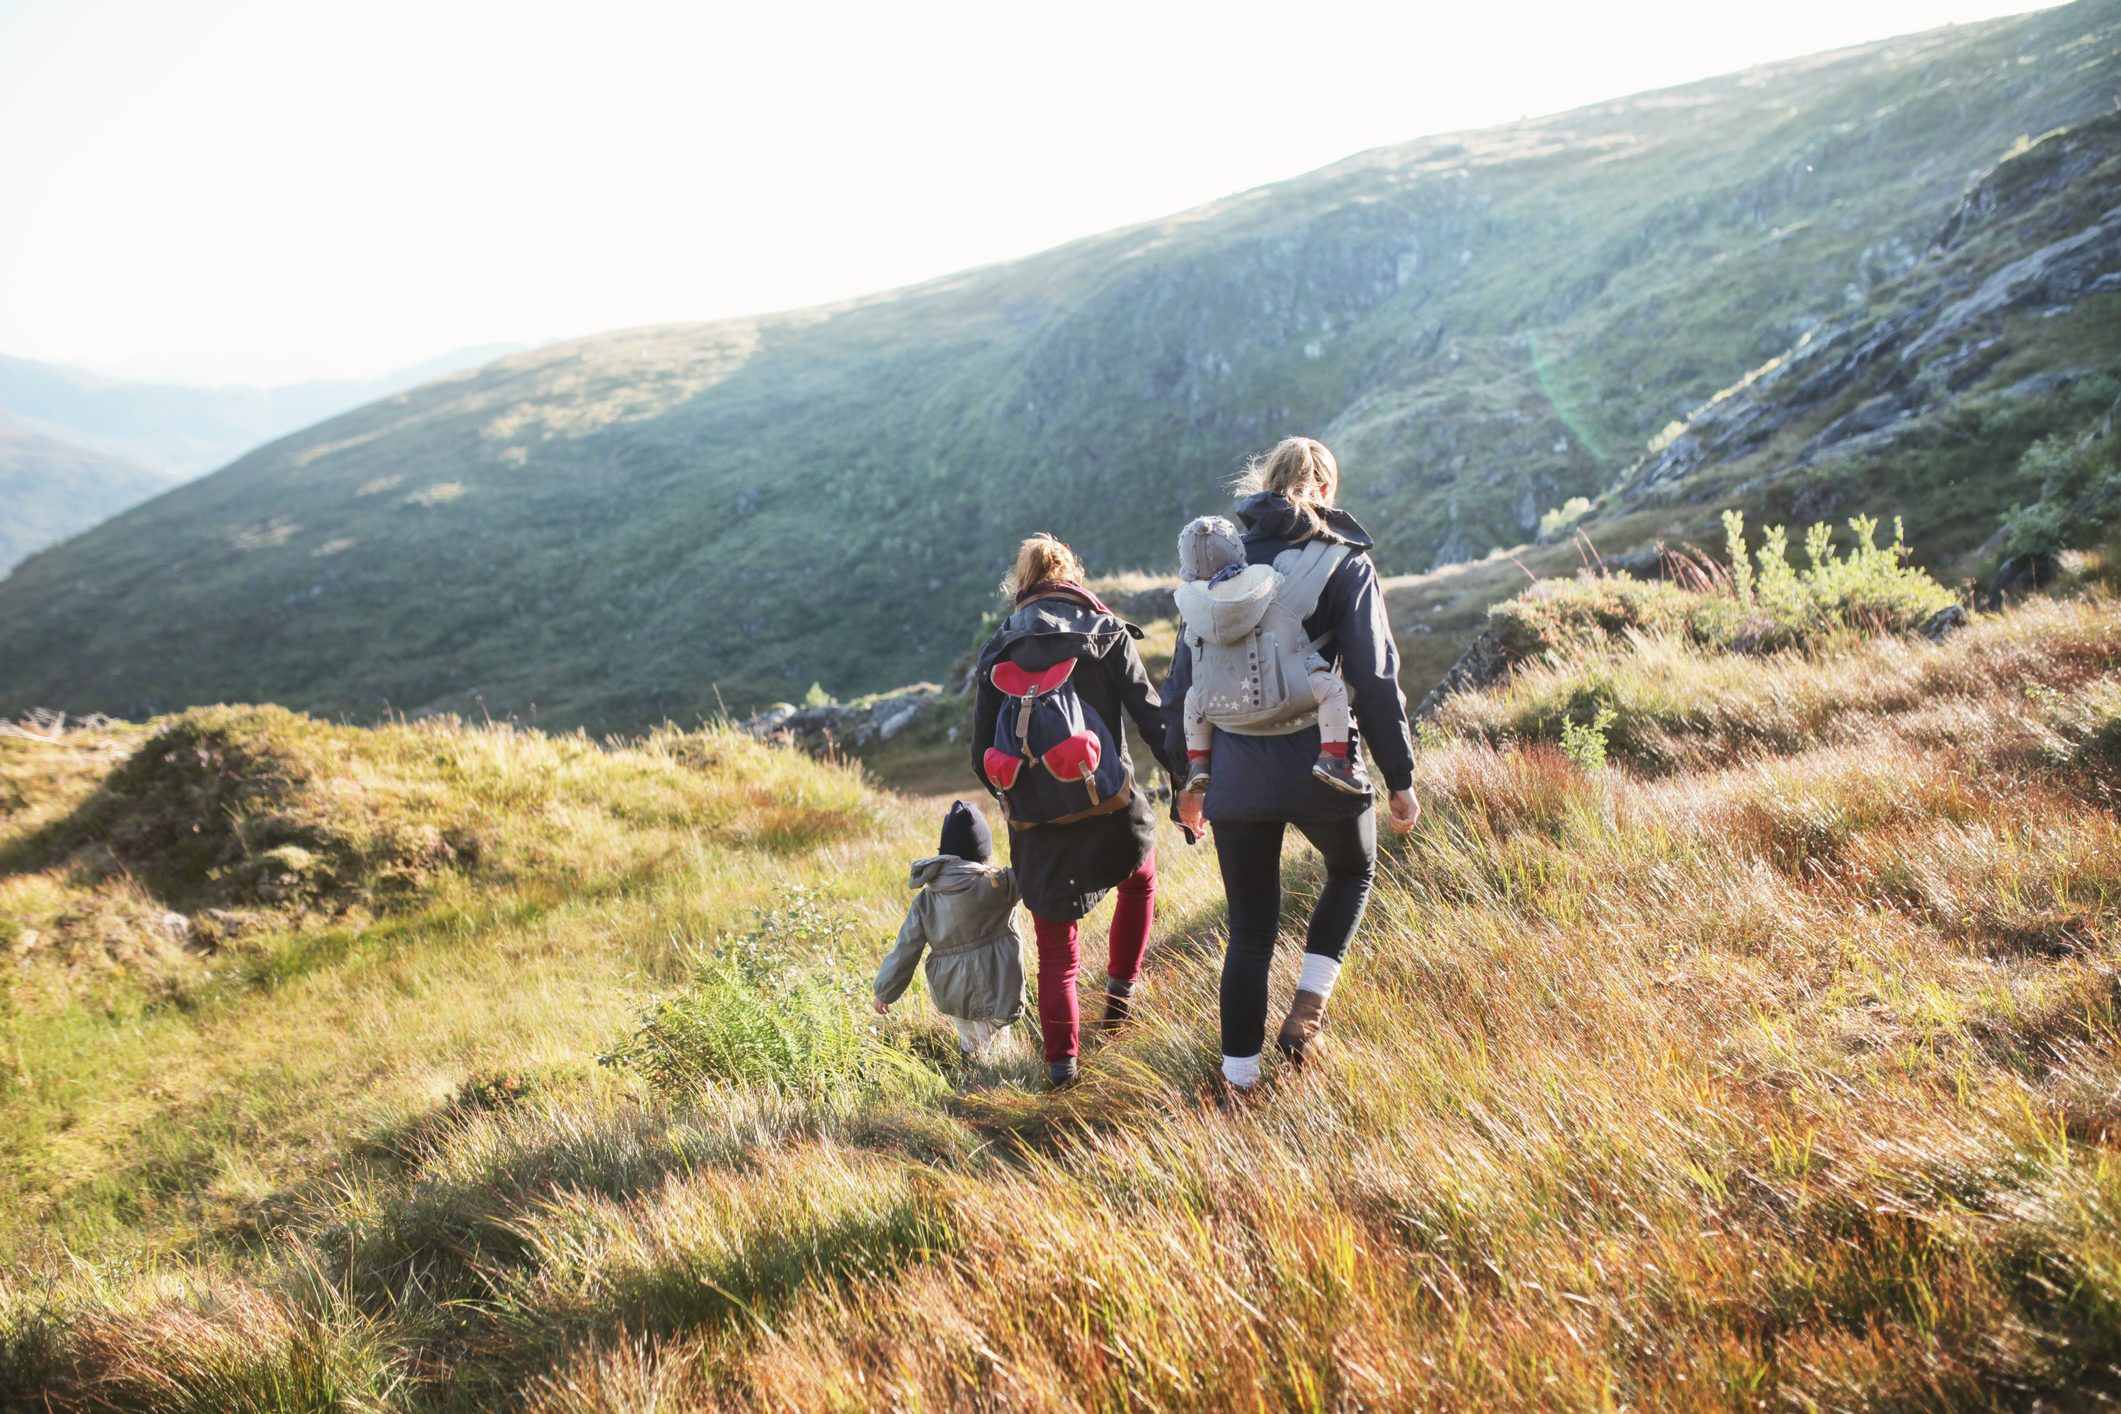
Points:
x=1319, y=974
x=1241, y=1071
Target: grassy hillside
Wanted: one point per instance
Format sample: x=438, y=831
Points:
x=50, y=489
x=632, y=528
x=1774, y=1061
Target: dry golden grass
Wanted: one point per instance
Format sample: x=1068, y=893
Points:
x=1774, y=1066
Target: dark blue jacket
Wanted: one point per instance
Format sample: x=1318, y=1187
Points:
x=1064, y=870
x=1254, y=778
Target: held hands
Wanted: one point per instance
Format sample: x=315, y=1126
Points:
x=1405, y=810
x=1191, y=812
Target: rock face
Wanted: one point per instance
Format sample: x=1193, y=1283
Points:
x=835, y=726
x=1895, y=370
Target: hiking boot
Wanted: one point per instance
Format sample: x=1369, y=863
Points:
x=1119, y=1006
x=1300, y=1028
x=1197, y=779
x=1339, y=772
x=1060, y=1074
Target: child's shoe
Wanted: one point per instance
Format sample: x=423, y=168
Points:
x=1299, y=1031
x=1339, y=772
x=1060, y=1074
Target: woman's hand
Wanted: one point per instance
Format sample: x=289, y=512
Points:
x=1405, y=811
x=1192, y=807
x=881, y=1007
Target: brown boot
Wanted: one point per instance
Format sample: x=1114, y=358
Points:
x=1306, y=1018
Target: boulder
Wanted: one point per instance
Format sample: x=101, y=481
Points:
x=845, y=726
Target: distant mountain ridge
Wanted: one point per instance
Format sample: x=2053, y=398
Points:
x=189, y=430
x=656, y=522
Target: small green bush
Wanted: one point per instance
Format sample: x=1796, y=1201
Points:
x=1763, y=602
x=771, y=1007
x=2080, y=484
x=1585, y=742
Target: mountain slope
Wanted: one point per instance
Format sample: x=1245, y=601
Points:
x=1484, y=324
x=50, y=489
x=192, y=430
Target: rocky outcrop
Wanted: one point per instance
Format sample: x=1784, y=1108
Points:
x=1483, y=664
x=1943, y=333
x=846, y=726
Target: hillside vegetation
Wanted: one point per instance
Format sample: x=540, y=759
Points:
x=1489, y=326
x=1772, y=1061
x=50, y=489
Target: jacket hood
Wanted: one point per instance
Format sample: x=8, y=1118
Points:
x=947, y=874
x=1226, y=612
x=1269, y=516
x=1060, y=625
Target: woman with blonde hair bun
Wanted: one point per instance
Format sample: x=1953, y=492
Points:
x=1261, y=777
x=1077, y=826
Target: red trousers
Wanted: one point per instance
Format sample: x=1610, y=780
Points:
x=1059, y=958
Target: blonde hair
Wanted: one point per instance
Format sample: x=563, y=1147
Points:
x=1042, y=559
x=1300, y=468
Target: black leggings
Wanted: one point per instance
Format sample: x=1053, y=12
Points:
x=1250, y=855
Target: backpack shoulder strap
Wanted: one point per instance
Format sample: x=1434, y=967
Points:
x=1304, y=581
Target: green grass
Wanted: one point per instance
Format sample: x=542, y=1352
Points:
x=1772, y=1061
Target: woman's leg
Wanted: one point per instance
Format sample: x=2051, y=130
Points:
x=1131, y=917
x=1250, y=857
x=1058, y=958
x=1349, y=848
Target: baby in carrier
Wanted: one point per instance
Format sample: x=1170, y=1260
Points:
x=1211, y=558
x=963, y=918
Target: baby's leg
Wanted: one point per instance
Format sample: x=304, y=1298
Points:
x=1200, y=732
x=1332, y=695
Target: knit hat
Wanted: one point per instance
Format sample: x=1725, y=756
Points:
x=1208, y=545
x=965, y=834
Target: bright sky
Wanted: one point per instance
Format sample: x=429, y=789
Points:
x=222, y=190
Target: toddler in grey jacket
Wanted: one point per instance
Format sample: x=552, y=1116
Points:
x=963, y=919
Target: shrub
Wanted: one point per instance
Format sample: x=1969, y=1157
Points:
x=769, y=1007
x=1585, y=742
x=1763, y=602
x=2080, y=482
x=1558, y=521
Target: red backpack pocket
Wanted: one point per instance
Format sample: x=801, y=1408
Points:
x=1075, y=758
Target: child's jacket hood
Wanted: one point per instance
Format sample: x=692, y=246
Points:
x=1226, y=612
x=948, y=874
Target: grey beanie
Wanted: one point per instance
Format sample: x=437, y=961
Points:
x=1208, y=546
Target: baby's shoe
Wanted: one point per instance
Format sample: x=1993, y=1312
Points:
x=1060, y=1074
x=1339, y=772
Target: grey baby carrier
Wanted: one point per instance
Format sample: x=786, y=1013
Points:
x=1252, y=660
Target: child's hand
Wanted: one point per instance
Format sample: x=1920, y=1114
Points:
x=881, y=1007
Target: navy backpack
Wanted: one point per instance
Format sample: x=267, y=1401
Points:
x=1054, y=759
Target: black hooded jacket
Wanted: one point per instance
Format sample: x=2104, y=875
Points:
x=1065, y=869
x=1258, y=778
